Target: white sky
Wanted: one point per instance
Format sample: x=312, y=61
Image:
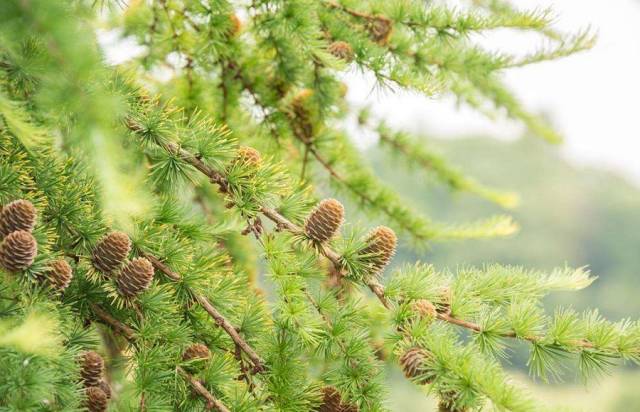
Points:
x=592, y=98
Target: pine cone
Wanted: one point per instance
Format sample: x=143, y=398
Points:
x=413, y=364
x=424, y=309
x=299, y=103
x=448, y=403
x=111, y=252
x=135, y=277
x=332, y=402
x=381, y=246
x=444, y=306
x=301, y=115
x=96, y=400
x=17, y=215
x=324, y=221
x=60, y=274
x=341, y=50
x=248, y=156
x=91, y=366
x=104, y=386
x=196, y=351
x=380, y=29
x=236, y=25
x=18, y=251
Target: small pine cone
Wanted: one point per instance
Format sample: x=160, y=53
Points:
x=96, y=400
x=444, y=306
x=324, y=221
x=413, y=363
x=341, y=50
x=332, y=402
x=380, y=29
x=135, y=277
x=104, y=386
x=248, y=156
x=424, y=309
x=18, y=251
x=17, y=215
x=448, y=403
x=236, y=25
x=197, y=351
x=91, y=366
x=299, y=103
x=60, y=274
x=381, y=245
x=111, y=252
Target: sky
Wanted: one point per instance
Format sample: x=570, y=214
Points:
x=592, y=98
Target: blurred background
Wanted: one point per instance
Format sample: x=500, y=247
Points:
x=580, y=201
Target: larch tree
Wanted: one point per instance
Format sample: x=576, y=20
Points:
x=165, y=242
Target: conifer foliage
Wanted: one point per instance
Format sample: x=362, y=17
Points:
x=163, y=247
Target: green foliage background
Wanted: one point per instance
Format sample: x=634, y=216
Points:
x=573, y=214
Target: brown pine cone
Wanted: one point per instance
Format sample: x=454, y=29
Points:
x=111, y=252
x=96, y=399
x=18, y=251
x=324, y=221
x=104, y=386
x=413, y=363
x=197, y=355
x=341, y=50
x=444, y=305
x=381, y=246
x=59, y=274
x=135, y=277
x=236, y=25
x=448, y=403
x=299, y=103
x=248, y=156
x=91, y=366
x=424, y=309
x=17, y=215
x=196, y=351
x=332, y=402
x=380, y=29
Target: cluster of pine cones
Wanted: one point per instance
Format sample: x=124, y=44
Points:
x=324, y=222
x=97, y=390
x=110, y=256
x=19, y=248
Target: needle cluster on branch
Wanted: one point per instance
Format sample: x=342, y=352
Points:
x=163, y=242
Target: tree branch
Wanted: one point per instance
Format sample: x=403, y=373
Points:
x=212, y=401
x=282, y=222
x=219, y=319
x=114, y=323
